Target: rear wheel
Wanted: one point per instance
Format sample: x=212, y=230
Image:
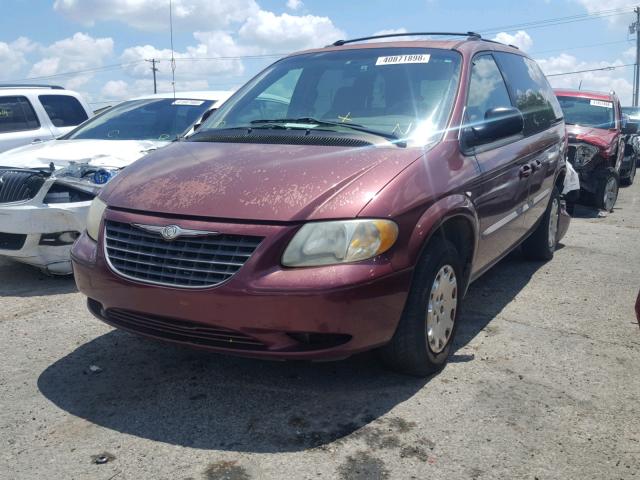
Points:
x=628, y=180
x=422, y=341
x=542, y=243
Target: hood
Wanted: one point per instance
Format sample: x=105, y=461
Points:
x=600, y=137
x=258, y=181
x=96, y=153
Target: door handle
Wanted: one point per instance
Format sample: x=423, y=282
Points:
x=36, y=140
x=525, y=171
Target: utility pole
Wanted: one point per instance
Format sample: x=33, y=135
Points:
x=635, y=28
x=153, y=62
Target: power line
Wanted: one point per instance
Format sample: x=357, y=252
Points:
x=550, y=22
x=558, y=20
x=612, y=67
x=577, y=47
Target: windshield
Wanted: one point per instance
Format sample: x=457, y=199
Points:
x=150, y=119
x=587, y=112
x=633, y=112
x=392, y=92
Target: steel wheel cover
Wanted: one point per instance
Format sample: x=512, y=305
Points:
x=554, y=218
x=442, y=307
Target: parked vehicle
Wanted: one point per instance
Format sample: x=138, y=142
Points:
x=36, y=113
x=596, y=132
x=632, y=151
x=398, y=173
x=46, y=189
x=633, y=113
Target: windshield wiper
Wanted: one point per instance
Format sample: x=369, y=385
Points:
x=327, y=123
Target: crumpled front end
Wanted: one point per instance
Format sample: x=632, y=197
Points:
x=42, y=212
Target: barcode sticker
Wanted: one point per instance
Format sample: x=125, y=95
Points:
x=600, y=103
x=400, y=59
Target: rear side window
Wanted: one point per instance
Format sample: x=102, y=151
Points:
x=487, y=89
x=16, y=114
x=63, y=110
x=530, y=91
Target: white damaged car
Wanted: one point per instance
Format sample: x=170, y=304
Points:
x=46, y=189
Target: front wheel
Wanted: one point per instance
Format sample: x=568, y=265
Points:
x=607, y=190
x=542, y=243
x=422, y=341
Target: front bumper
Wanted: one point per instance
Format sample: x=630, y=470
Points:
x=31, y=220
x=264, y=310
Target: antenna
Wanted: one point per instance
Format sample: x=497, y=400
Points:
x=173, y=60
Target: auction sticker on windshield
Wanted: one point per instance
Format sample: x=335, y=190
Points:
x=600, y=103
x=400, y=59
x=192, y=103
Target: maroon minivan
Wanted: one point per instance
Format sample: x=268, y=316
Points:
x=341, y=201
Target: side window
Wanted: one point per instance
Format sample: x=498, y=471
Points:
x=486, y=89
x=531, y=92
x=16, y=114
x=63, y=110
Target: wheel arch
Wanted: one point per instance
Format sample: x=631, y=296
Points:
x=454, y=219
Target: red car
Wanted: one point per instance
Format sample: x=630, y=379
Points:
x=341, y=201
x=596, y=130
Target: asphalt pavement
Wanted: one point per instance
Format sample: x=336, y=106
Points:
x=544, y=384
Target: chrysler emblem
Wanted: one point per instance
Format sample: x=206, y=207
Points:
x=171, y=232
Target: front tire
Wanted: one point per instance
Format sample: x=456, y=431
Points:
x=542, y=243
x=607, y=190
x=423, y=338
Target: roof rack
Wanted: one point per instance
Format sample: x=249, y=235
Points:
x=30, y=85
x=475, y=36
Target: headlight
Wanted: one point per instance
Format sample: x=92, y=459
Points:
x=584, y=154
x=327, y=243
x=96, y=210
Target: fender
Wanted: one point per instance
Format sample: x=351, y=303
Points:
x=455, y=205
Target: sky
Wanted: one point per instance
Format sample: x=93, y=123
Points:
x=99, y=47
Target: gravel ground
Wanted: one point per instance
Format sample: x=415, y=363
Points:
x=543, y=384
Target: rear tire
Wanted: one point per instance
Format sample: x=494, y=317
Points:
x=628, y=180
x=607, y=190
x=542, y=243
x=422, y=341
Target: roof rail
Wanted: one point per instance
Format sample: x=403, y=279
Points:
x=30, y=85
x=475, y=36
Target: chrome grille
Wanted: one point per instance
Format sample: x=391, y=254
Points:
x=19, y=185
x=185, y=262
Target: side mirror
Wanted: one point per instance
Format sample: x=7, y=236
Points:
x=630, y=128
x=498, y=123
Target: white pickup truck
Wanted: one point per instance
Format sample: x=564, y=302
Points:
x=36, y=113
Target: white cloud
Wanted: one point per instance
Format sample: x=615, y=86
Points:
x=79, y=52
x=294, y=4
x=618, y=19
x=154, y=14
x=115, y=89
x=602, y=80
x=267, y=32
x=520, y=39
x=194, y=62
x=12, y=56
